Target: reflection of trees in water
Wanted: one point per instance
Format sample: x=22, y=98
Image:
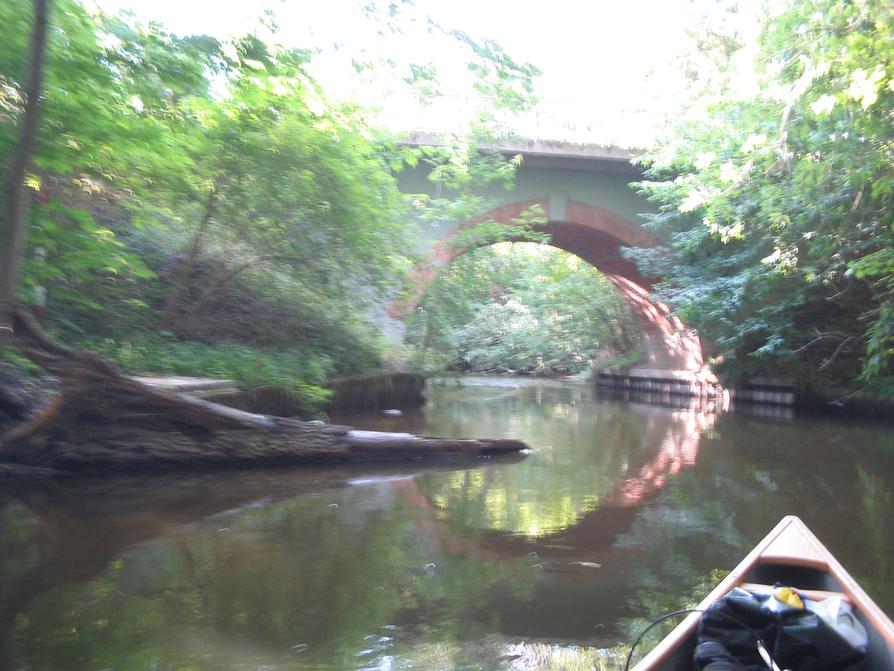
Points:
x=839, y=477
x=668, y=444
x=671, y=498
x=250, y=598
x=876, y=523
x=254, y=578
x=583, y=572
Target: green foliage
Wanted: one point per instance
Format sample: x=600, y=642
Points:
x=193, y=196
x=462, y=168
x=83, y=261
x=499, y=86
x=776, y=206
x=288, y=179
x=459, y=171
x=521, y=306
x=298, y=371
x=508, y=83
x=206, y=187
x=109, y=145
x=523, y=228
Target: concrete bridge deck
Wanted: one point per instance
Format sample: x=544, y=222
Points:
x=550, y=154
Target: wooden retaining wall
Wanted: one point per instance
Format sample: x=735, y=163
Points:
x=377, y=392
x=765, y=391
x=669, y=388
x=771, y=397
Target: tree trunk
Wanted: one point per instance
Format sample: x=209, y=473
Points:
x=223, y=277
x=103, y=420
x=14, y=224
x=181, y=276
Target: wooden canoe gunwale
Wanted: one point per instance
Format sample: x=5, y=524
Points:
x=790, y=543
x=792, y=561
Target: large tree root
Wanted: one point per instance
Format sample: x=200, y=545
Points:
x=104, y=420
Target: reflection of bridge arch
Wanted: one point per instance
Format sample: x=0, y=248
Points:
x=667, y=449
x=597, y=236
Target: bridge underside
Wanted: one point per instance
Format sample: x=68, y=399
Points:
x=596, y=235
x=667, y=343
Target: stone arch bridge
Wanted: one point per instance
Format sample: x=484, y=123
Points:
x=591, y=212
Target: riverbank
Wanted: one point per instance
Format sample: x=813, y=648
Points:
x=100, y=420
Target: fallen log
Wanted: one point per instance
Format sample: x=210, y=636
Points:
x=102, y=420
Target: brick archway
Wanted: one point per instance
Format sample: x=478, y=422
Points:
x=596, y=235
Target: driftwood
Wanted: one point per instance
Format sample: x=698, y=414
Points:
x=103, y=420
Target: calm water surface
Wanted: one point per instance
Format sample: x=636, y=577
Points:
x=552, y=561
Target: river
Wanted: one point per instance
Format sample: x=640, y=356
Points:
x=554, y=560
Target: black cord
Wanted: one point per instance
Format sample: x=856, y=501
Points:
x=686, y=611
x=666, y=616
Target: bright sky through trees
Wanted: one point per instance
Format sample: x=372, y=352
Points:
x=610, y=70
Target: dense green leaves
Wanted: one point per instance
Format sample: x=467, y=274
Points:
x=193, y=196
x=523, y=307
x=205, y=187
x=777, y=206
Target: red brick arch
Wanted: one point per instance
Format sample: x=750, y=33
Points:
x=596, y=235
